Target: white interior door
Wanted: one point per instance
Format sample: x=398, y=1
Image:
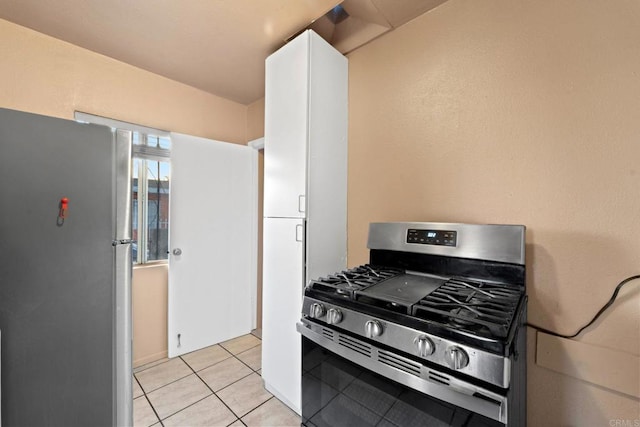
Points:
x=213, y=242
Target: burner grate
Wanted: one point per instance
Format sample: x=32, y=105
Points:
x=347, y=282
x=483, y=308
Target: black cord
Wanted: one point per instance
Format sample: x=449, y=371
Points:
x=602, y=310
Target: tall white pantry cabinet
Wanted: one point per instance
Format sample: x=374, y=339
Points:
x=305, y=195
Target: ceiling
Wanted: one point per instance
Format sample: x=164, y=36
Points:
x=218, y=46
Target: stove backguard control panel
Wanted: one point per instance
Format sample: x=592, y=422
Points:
x=432, y=237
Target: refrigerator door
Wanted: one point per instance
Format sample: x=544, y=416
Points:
x=123, y=391
x=283, y=280
x=57, y=274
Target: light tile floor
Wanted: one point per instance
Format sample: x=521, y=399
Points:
x=216, y=386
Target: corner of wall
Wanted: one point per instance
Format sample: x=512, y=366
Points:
x=255, y=120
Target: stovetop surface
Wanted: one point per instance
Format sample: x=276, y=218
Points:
x=480, y=311
x=402, y=289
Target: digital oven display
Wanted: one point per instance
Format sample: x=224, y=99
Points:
x=432, y=237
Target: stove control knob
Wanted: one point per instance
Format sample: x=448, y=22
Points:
x=373, y=328
x=424, y=345
x=334, y=316
x=456, y=357
x=316, y=310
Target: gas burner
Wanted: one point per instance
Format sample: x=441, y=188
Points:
x=463, y=316
x=345, y=283
x=486, y=309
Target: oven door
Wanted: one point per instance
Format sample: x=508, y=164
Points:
x=345, y=383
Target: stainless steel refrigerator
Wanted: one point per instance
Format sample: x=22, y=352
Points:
x=65, y=273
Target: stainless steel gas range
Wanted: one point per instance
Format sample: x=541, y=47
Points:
x=428, y=333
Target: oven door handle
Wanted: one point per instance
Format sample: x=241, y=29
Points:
x=407, y=372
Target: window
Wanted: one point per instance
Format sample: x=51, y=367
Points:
x=151, y=184
x=151, y=178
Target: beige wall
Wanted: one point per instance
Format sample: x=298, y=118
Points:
x=526, y=112
x=255, y=120
x=149, y=301
x=43, y=75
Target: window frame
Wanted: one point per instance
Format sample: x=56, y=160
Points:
x=144, y=152
x=139, y=151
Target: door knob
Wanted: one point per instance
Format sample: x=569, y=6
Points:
x=177, y=251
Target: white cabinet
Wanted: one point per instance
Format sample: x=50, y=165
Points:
x=305, y=127
x=286, y=130
x=326, y=208
x=305, y=195
x=283, y=266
